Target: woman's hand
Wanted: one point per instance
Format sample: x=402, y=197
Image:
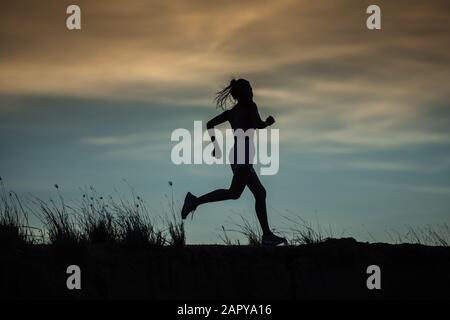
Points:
x=217, y=153
x=270, y=121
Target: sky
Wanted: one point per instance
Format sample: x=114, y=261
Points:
x=364, y=116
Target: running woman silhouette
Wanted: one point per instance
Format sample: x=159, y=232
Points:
x=243, y=115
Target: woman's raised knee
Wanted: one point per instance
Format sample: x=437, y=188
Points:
x=234, y=194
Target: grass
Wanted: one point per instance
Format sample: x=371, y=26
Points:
x=97, y=221
x=249, y=230
x=304, y=232
x=13, y=221
x=62, y=229
x=131, y=224
x=177, y=236
x=437, y=235
x=138, y=231
x=93, y=220
x=224, y=237
x=299, y=231
x=104, y=220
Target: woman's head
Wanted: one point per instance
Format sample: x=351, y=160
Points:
x=239, y=90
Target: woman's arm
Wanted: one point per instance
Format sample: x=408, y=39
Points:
x=221, y=118
x=257, y=121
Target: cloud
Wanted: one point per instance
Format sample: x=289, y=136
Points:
x=393, y=166
x=364, y=116
x=127, y=139
x=444, y=191
x=170, y=45
x=332, y=85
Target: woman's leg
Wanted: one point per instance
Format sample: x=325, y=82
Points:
x=259, y=192
x=237, y=186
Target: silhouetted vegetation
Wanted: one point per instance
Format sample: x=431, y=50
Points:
x=104, y=220
x=13, y=221
x=94, y=220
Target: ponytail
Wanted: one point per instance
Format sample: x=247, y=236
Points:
x=224, y=95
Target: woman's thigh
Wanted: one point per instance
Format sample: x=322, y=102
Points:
x=240, y=180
